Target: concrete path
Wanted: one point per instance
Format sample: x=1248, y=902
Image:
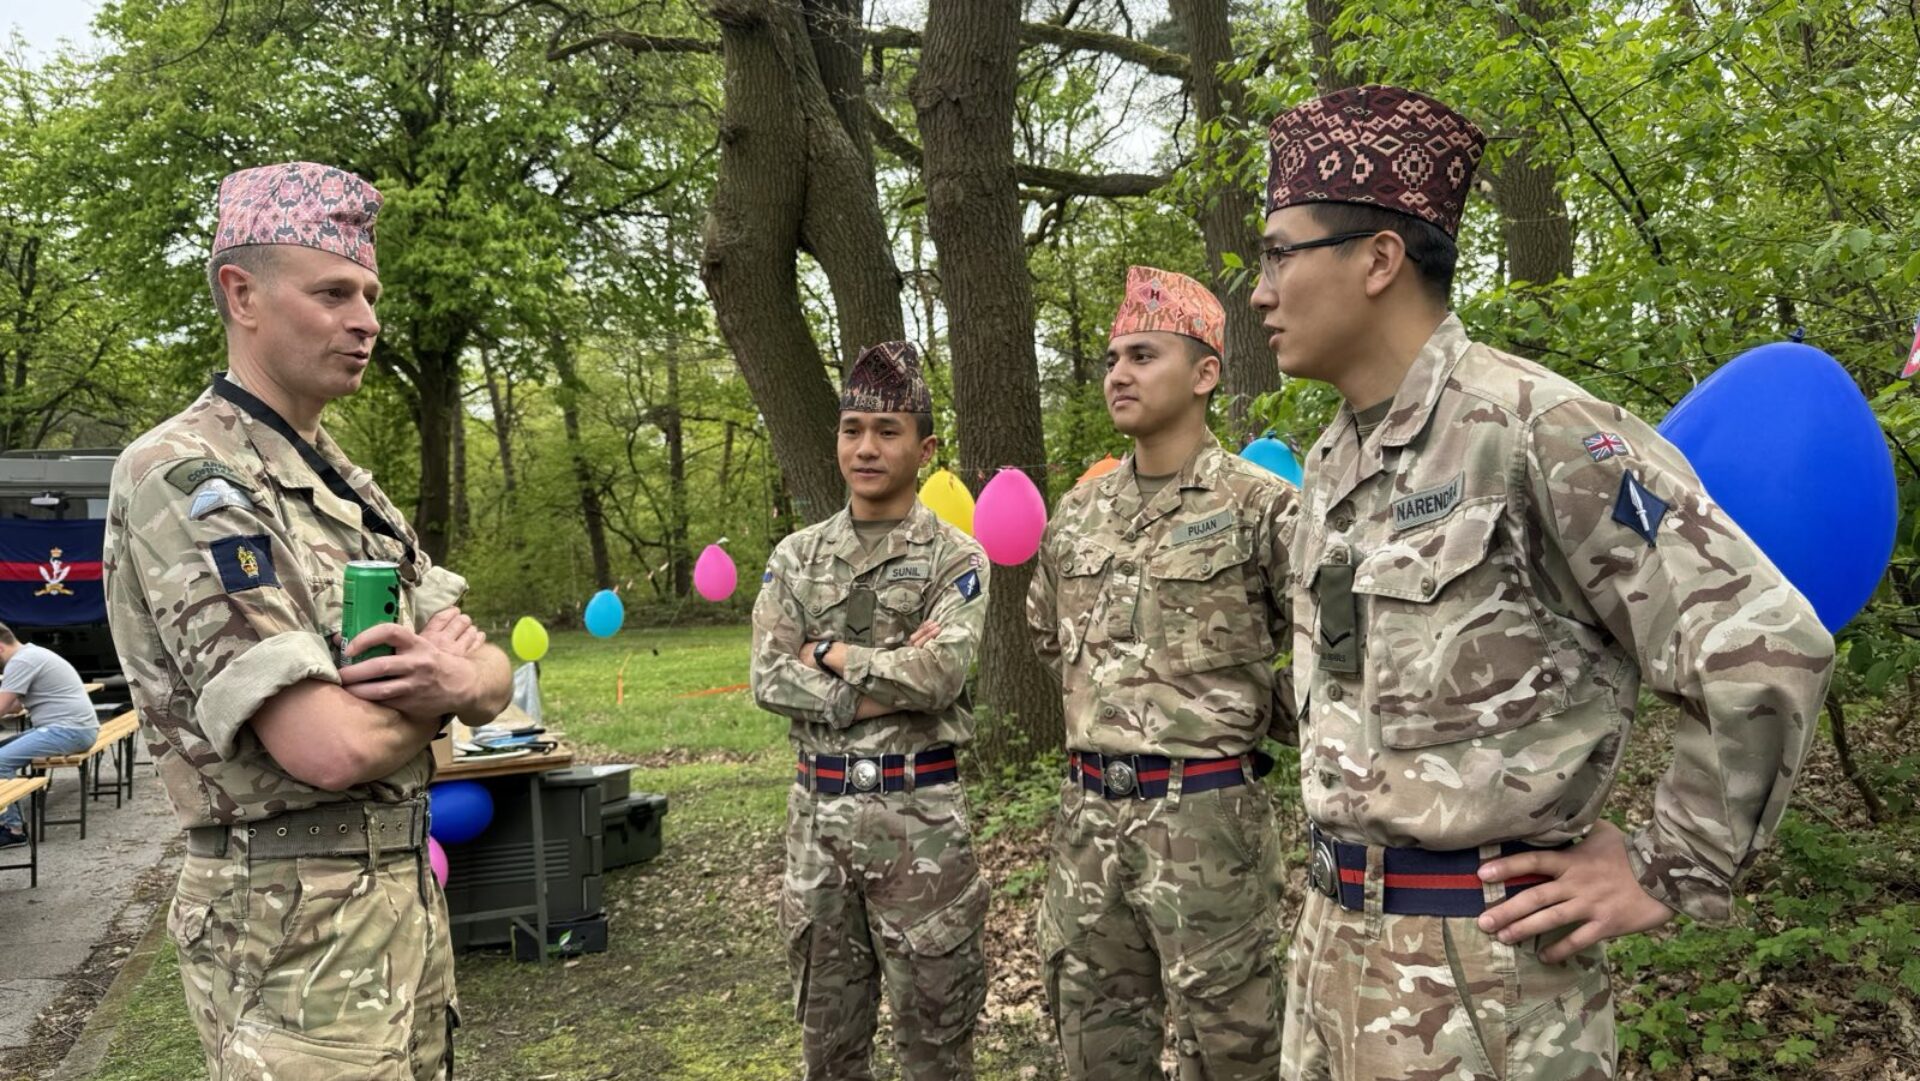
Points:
x=89, y=892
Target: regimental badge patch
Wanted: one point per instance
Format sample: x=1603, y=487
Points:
x=1639, y=509
x=244, y=562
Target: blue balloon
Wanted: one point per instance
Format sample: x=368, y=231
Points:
x=458, y=811
x=1784, y=440
x=605, y=613
x=1275, y=457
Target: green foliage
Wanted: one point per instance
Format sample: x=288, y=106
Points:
x=1722, y=991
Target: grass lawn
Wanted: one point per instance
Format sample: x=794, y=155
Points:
x=694, y=983
x=1818, y=979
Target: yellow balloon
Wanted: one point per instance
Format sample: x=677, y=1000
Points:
x=529, y=639
x=945, y=496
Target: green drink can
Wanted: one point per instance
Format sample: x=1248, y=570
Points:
x=369, y=597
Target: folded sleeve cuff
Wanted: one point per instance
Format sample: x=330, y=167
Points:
x=1677, y=881
x=439, y=589
x=237, y=691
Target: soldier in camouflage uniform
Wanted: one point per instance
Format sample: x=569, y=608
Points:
x=863, y=634
x=1491, y=563
x=312, y=940
x=1159, y=602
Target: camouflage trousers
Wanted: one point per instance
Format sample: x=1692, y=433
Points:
x=316, y=968
x=1384, y=997
x=883, y=889
x=1162, y=902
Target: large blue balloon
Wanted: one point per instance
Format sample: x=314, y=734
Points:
x=605, y=613
x=1783, y=439
x=1275, y=457
x=458, y=811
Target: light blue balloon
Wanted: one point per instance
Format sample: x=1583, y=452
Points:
x=605, y=613
x=1275, y=457
x=1785, y=442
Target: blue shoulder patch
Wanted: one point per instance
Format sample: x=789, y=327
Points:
x=968, y=584
x=244, y=562
x=1638, y=509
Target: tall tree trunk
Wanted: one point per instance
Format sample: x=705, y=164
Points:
x=1227, y=213
x=462, y=514
x=1327, y=75
x=841, y=224
x=673, y=430
x=572, y=390
x=1534, y=222
x=964, y=97
x=753, y=233
x=436, y=402
x=500, y=402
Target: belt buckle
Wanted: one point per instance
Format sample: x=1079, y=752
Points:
x=1324, y=872
x=1120, y=777
x=866, y=775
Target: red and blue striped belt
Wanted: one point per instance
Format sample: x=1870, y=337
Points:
x=1416, y=881
x=1145, y=776
x=839, y=775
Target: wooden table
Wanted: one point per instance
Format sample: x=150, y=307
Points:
x=530, y=766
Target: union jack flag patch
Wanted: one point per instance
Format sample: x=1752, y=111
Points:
x=1603, y=445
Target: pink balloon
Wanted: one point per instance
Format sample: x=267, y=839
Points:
x=437, y=859
x=714, y=575
x=1009, y=518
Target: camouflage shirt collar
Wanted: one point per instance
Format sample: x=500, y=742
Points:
x=920, y=527
x=1123, y=486
x=1420, y=390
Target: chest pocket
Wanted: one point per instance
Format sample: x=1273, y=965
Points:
x=901, y=608
x=324, y=536
x=1078, y=593
x=1453, y=650
x=1211, y=615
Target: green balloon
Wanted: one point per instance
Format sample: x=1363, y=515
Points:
x=529, y=639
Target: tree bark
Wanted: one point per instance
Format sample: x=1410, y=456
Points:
x=500, y=402
x=751, y=239
x=572, y=390
x=964, y=98
x=462, y=513
x=1227, y=213
x=1534, y=221
x=673, y=430
x=1327, y=75
x=436, y=400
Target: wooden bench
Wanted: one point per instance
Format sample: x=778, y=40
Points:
x=13, y=790
x=115, y=735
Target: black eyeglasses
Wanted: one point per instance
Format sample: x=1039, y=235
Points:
x=1271, y=258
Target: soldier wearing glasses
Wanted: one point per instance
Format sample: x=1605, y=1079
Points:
x=1490, y=564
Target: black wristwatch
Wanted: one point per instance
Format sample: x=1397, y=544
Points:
x=820, y=651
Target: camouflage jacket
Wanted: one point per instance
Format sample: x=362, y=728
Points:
x=820, y=586
x=1162, y=620
x=223, y=563
x=1484, y=585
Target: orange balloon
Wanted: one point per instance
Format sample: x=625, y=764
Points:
x=1099, y=469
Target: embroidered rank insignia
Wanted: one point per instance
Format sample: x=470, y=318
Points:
x=968, y=584
x=244, y=562
x=1639, y=509
x=216, y=493
x=1603, y=445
